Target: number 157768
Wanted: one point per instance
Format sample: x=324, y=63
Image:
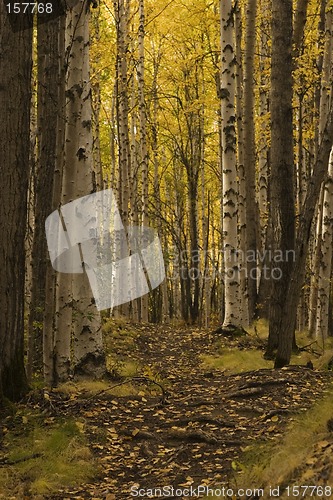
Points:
x=31, y=8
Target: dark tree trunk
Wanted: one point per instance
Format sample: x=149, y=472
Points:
x=15, y=95
x=194, y=259
x=282, y=166
x=252, y=214
x=49, y=323
x=48, y=34
x=297, y=275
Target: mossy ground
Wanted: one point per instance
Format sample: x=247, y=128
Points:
x=291, y=460
x=232, y=357
x=42, y=455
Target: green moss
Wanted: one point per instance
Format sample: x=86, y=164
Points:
x=88, y=388
x=234, y=361
x=276, y=463
x=44, y=456
x=119, y=337
x=266, y=463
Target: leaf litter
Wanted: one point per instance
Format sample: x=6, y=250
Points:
x=196, y=430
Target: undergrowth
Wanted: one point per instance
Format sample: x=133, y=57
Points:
x=120, y=339
x=43, y=455
x=277, y=463
x=232, y=359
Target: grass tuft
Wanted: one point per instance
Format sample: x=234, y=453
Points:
x=277, y=464
x=43, y=459
x=233, y=361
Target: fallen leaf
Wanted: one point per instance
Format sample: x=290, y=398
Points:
x=323, y=444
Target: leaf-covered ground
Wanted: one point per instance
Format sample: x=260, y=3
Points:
x=196, y=432
x=193, y=432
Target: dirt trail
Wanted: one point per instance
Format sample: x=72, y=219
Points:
x=194, y=434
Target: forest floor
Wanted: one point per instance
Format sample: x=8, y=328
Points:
x=191, y=425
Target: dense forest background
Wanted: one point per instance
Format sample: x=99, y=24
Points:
x=212, y=123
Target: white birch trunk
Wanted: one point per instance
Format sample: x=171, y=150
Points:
x=325, y=271
x=77, y=313
x=242, y=199
x=315, y=265
x=229, y=167
x=121, y=18
x=51, y=314
x=325, y=251
x=88, y=357
x=143, y=136
x=64, y=299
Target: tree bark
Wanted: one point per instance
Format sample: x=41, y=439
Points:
x=15, y=95
x=87, y=344
x=242, y=175
x=143, y=137
x=252, y=216
x=50, y=316
x=323, y=250
x=121, y=9
x=297, y=274
x=282, y=165
x=48, y=34
x=324, y=279
x=229, y=167
x=299, y=25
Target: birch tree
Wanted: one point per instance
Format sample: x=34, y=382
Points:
x=121, y=10
x=324, y=279
x=242, y=198
x=325, y=235
x=315, y=242
x=229, y=167
x=88, y=357
x=143, y=135
x=50, y=318
x=77, y=313
x=121, y=15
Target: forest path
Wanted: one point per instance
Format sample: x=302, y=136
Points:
x=197, y=433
